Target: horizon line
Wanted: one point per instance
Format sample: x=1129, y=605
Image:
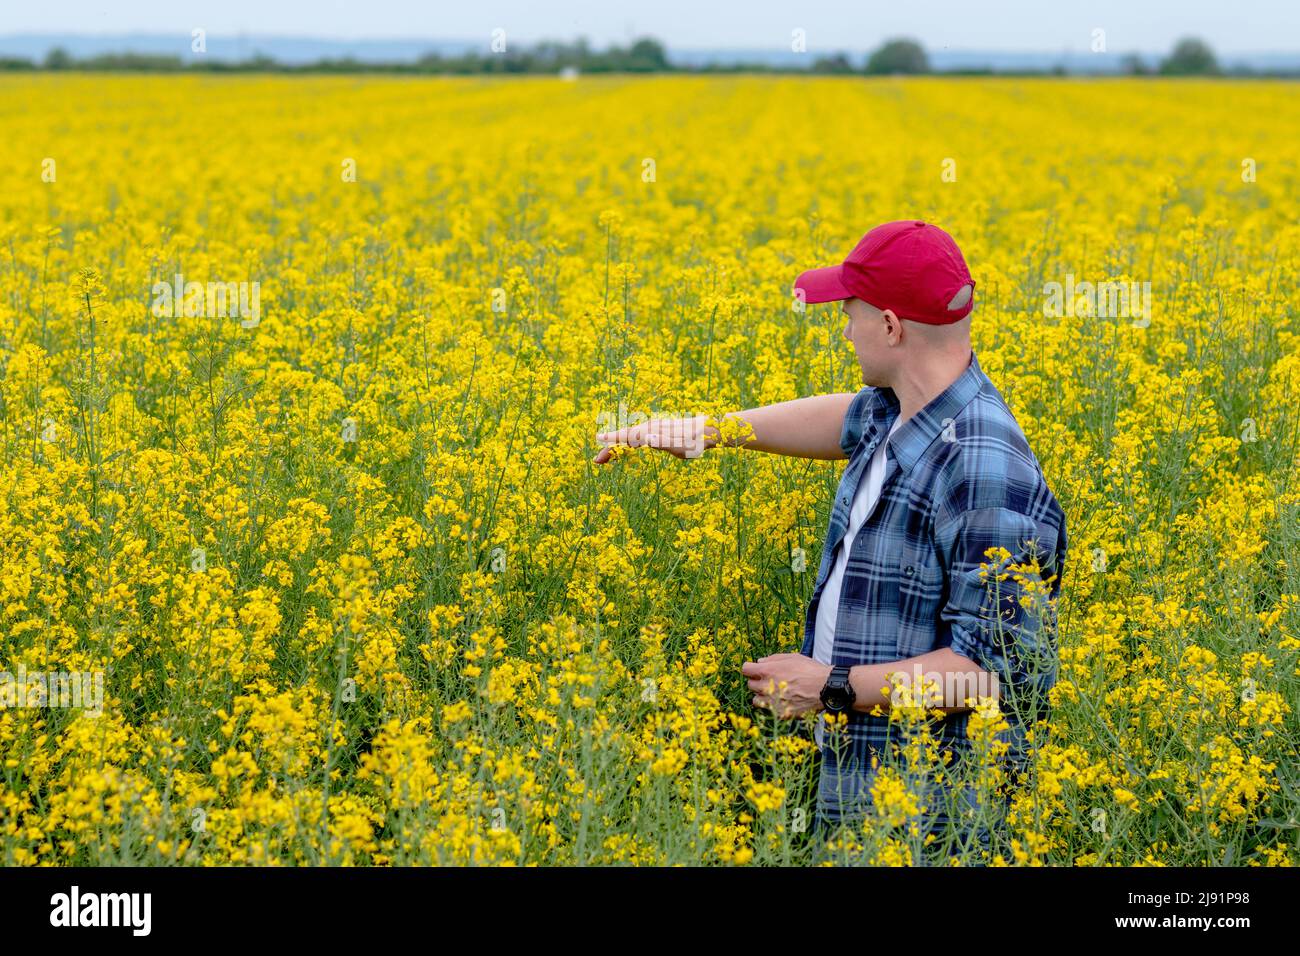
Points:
x=1081, y=48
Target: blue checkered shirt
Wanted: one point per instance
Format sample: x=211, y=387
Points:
x=959, y=479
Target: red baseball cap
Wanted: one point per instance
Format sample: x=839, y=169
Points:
x=909, y=266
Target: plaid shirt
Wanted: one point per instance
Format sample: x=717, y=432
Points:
x=959, y=479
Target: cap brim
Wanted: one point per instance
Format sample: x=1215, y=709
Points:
x=822, y=285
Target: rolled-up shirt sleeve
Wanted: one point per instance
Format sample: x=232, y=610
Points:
x=855, y=421
x=1000, y=610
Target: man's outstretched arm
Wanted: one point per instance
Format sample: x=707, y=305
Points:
x=802, y=428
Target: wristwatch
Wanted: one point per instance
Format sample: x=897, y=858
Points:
x=837, y=696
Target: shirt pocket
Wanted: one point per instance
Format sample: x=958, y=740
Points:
x=922, y=590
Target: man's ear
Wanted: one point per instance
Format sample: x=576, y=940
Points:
x=893, y=326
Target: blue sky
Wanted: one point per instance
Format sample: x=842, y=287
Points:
x=1039, y=25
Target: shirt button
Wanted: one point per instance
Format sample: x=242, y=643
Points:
x=909, y=570
x=844, y=499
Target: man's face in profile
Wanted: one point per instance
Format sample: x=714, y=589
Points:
x=864, y=326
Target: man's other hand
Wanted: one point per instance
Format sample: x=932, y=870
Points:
x=787, y=684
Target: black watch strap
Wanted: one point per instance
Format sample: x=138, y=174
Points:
x=838, y=689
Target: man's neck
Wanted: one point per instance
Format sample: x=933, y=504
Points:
x=918, y=386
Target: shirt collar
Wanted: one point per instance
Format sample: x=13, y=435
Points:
x=916, y=434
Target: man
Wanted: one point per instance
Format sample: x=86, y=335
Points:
x=939, y=473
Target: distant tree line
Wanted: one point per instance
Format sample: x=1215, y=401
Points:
x=644, y=56
x=1189, y=57
x=900, y=56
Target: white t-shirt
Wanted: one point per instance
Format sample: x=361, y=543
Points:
x=864, y=500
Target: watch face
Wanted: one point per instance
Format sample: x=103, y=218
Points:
x=837, y=695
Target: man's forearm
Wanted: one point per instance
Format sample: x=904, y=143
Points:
x=802, y=428
x=957, y=678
